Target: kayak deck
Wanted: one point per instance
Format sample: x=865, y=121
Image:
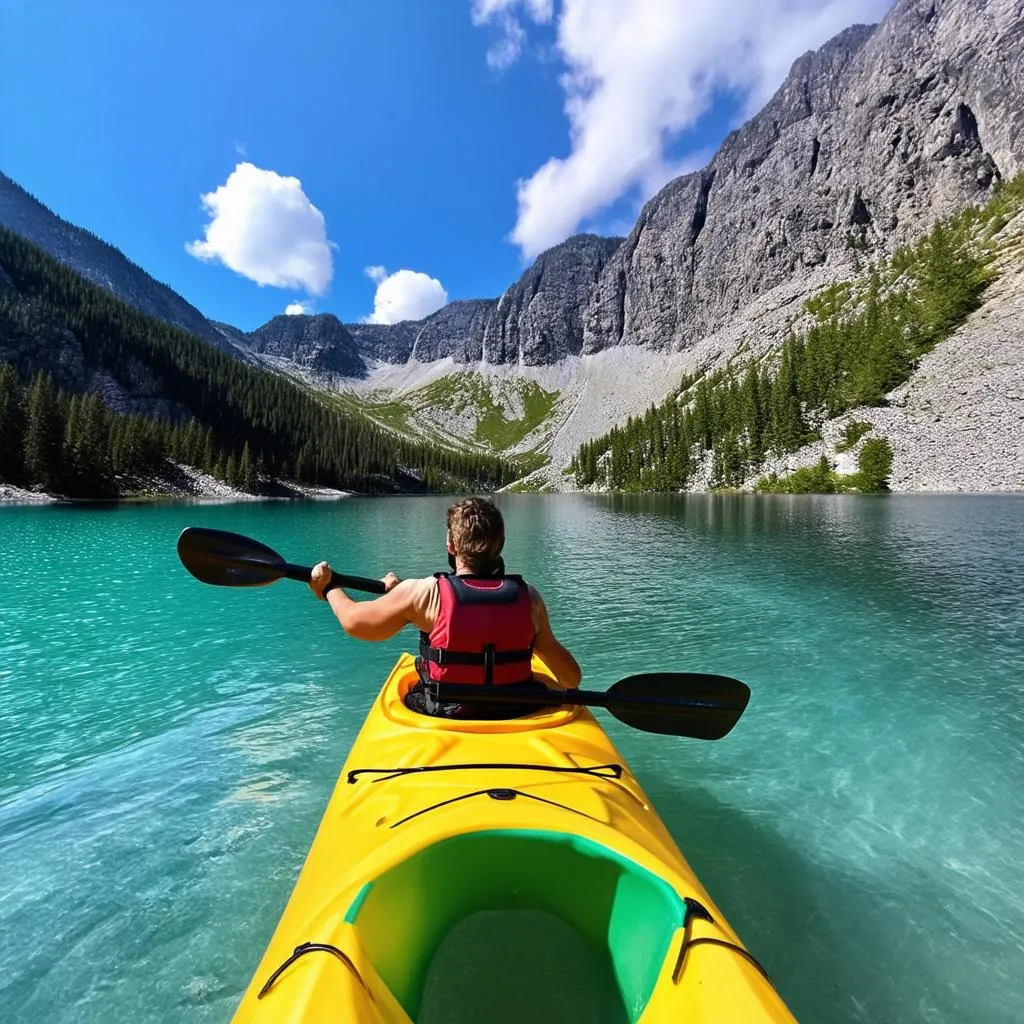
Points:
x=435, y=822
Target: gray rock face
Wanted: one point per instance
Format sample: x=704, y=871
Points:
x=537, y=321
x=320, y=342
x=386, y=343
x=869, y=139
x=232, y=334
x=456, y=331
x=99, y=262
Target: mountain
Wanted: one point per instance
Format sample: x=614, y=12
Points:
x=119, y=401
x=870, y=139
x=100, y=263
x=867, y=141
x=538, y=321
x=319, y=342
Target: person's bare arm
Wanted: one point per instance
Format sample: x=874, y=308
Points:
x=379, y=619
x=555, y=656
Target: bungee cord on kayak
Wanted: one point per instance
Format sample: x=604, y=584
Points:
x=312, y=947
x=600, y=771
x=494, y=794
x=696, y=911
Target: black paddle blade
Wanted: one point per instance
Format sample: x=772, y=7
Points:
x=228, y=559
x=695, y=704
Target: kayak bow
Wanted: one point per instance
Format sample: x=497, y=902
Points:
x=435, y=822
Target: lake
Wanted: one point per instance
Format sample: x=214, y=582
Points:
x=167, y=748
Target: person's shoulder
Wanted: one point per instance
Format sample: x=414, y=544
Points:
x=417, y=584
x=419, y=589
x=535, y=599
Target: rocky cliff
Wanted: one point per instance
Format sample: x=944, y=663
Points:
x=538, y=321
x=868, y=140
x=319, y=342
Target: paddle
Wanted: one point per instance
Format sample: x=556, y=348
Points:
x=694, y=704
x=230, y=560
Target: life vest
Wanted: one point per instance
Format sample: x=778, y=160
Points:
x=483, y=634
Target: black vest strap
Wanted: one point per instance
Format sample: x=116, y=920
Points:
x=442, y=656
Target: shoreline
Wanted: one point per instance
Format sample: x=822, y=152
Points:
x=16, y=497
x=220, y=494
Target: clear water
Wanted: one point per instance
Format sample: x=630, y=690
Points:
x=167, y=748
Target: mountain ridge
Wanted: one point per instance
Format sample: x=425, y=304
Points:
x=869, y=140
x=101, y=263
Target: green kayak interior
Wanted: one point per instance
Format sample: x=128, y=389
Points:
x=509, y=901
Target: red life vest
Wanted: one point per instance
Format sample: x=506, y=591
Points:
x=483, y=634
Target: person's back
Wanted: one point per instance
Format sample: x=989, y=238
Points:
x=477, y=625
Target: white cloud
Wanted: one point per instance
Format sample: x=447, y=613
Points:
x=638, y=75
x=404, y=295
x=484, y=10
x=298, y=309
x=263, y=226
x=506, y=51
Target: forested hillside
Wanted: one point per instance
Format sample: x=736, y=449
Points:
x=864, y=340
x=62, y=337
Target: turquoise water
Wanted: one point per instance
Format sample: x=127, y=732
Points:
x=167, y=748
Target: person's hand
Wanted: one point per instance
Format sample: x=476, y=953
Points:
x=319, y=578
x=390, y=581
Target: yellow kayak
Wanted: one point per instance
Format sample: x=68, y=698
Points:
x=438, y=826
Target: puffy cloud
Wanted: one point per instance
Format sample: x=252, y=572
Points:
x=640, y=74
x=263, y=226
x=404, y=295
x=298, y=309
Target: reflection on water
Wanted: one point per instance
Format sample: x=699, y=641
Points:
x=167, y=749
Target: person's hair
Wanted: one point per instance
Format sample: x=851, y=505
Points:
x=477, y=532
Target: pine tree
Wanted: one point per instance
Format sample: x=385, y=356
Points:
x=788, y=425
x=43, y=434
x=12, y=426
x=754, y=413
x=246, y=474
x=875, y=465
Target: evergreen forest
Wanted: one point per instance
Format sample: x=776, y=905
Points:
x=865, y=339
x=63, y=338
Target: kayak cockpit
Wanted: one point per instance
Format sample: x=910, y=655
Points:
x=404, y=678
x=492, y=886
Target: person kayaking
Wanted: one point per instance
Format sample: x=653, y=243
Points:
x=477, y=624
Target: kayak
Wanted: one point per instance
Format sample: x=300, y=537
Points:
x=435, y=824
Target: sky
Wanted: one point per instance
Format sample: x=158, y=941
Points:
x=375, y=159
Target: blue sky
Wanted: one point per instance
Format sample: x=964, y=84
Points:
x=450, y=140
